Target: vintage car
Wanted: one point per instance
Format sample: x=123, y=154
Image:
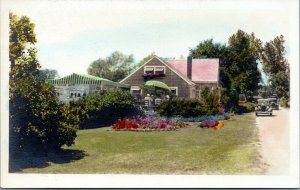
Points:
x=274, y=103
x=263, y=107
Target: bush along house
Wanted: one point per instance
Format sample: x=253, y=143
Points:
x=185, y=78
x=76, y=86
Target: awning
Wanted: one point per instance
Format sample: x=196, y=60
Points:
x=86, y=79
x=157, y=84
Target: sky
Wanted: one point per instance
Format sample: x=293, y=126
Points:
x=72, y=34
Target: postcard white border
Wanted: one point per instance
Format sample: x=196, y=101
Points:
x=152, y=181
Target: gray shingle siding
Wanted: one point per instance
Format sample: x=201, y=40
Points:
x=170, y=78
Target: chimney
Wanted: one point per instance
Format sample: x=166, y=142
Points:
x=189, y=67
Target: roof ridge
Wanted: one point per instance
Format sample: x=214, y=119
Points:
x=179, y=73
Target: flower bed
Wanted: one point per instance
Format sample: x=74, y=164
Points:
x=152, y=76
x=147, y=123
x=211, y=124
x=204, y=118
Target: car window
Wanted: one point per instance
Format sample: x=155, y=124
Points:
x=263, y=102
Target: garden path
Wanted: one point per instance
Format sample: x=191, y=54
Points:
x=274, y=137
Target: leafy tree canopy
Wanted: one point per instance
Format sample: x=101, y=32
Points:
x=144, y=60
x=276, y=66
x=114, y=67
x=36, y=120
x=242, y=64
x=238, y=63
x=48, y=74
x=210, y=49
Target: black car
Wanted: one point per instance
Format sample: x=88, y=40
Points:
x=263, y=107
x=274, y=103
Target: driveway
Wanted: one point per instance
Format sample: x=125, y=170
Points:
x=274, y=137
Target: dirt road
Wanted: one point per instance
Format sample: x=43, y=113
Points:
x=274, y=137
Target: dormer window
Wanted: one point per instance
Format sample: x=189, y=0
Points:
x=159, y=70
x=154, y=70
x=149, y=70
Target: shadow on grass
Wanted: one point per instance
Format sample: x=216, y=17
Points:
x=18, y=162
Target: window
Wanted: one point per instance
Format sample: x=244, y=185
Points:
x=136, y=90
x=84, y=94
x=154, y=69
x=149, y=70
x=159, y=70
x=174, y=90
x=78, y=95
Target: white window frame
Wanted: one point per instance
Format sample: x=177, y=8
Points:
x=149, y=67
x=135, y=88
x=174, y=88
x=154, y=68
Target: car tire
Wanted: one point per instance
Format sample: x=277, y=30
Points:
x=270, y=114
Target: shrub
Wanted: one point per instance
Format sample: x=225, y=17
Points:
x=103, y=109
x=37, y=122
x=210, y=101
x=181, y=107
x=249, y=106
x=284, y=102
x=246, y=108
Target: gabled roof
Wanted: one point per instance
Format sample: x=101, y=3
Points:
x=185, y=78
x=203, y=70
x=85, y=79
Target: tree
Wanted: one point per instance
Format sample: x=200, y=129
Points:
x=114, y=67
x=144, y=60
x=209, y=49
x=242, y=64
x=37, y=122
x=238, y=63
x=48, y=74
x=276, y=66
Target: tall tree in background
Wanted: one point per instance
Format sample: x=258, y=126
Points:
x=48, y=74
x=276, y=66
x=242, y=64
x=144, y=60
x=36, y=120
x=210, y=49
x=114, y=67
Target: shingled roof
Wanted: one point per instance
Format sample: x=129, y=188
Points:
x=85, y=79
x=203, y=70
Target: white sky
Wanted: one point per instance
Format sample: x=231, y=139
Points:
x=72, y=34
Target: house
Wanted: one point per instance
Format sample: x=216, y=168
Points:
x=76, y=86
x=185, y=78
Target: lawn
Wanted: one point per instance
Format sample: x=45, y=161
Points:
x=192, y=150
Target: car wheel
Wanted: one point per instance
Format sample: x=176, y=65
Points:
x=270, y=114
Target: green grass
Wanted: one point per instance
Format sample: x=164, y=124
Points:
x=192, y=150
